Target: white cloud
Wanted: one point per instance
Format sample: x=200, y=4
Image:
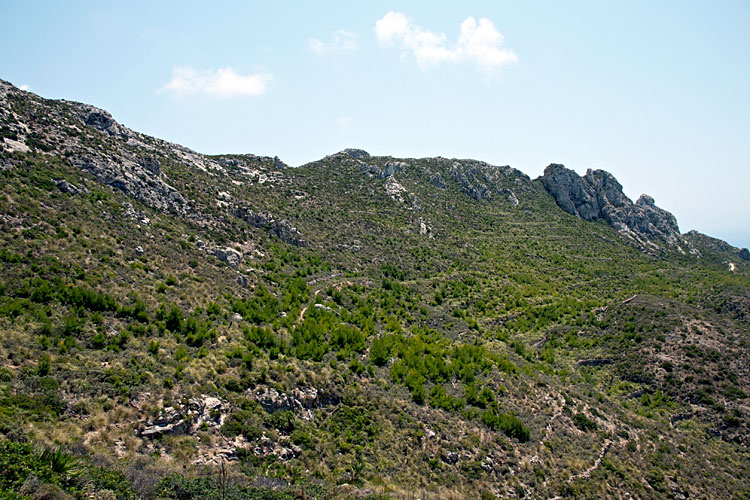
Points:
x=223, y=82
x=24, y=87
x=341, y=41
x=479, y=43
x=345, y=121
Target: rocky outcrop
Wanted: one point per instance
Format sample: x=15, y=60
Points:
x=744, y=254
x=356, y=153
x=598, y=196
x=470, y=183
x=66, y=187
x=205, y=411
x=282, y=229
x=133, y=180
x=301, y=401
x=388, y=170
x=484, y=182
x=102, y=121
x=437, y=180
x=228, y=256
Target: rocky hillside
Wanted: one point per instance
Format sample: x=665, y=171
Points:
x=177, y=325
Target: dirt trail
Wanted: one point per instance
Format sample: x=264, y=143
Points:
x=304, y=309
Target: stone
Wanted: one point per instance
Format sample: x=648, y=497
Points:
x=598, y=196
x=242, y=280
x=66, y=187
x=437, y=180
x=450, y=457
x=101, y=120
x=150, y=164
x=278, y=163
x=139, y=250
x=132, y=213
x=356, y=153
x=301, y=401
x=744, y=254
x=391, y=167
x=133, y=180
x=482, y=181
x=282, y=229
x=229, y=256
x=196, y=413
x=169, y=421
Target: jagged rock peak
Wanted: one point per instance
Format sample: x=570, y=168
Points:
x=599, y=196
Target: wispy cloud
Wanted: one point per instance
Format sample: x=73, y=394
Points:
x=479, y=43
x=345, y=121
x=341, y=41
x=222, y=82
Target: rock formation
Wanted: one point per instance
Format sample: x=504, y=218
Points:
x=598, y=196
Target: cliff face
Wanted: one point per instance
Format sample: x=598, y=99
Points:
x=598, y=196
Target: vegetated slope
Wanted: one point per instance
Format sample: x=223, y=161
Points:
x=191, y=326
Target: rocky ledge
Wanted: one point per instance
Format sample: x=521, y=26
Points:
x=598, y=196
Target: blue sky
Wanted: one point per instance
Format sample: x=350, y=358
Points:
x=658, y=93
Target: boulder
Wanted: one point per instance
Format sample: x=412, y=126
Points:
x=229, y=256
x=282, y=229
x=101, y=120
x=150, y=164
x=449, y=457
x=196, y=413
x=66, y=187
x=744, y=254
x=301, y=401
x=278, y=163
x=437, y=180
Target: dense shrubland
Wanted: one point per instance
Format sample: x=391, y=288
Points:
x=442, y=365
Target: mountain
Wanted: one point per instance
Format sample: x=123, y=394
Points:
x=177, y=325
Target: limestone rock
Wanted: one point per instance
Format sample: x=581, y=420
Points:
x=278, y=163
x=483, y=182
x=229, y=256
x=66, y=187
x=282, y=229
x=150, y=164
x=388, y=170
x=103, y=121
x=356, y=153
x=450, y=457
x=132, y=213
x=204, y=411
x=301, y=401
x=437, y=180
x=133, y=180
x=598, y=196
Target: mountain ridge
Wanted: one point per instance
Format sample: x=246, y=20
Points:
x=192, y=326
x=639, y=224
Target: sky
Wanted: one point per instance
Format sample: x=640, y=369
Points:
x=657, y=93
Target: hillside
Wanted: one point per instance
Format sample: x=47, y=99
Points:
x=176, y=325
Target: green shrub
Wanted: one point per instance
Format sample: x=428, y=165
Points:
x=508, y=423
x=584, y=423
